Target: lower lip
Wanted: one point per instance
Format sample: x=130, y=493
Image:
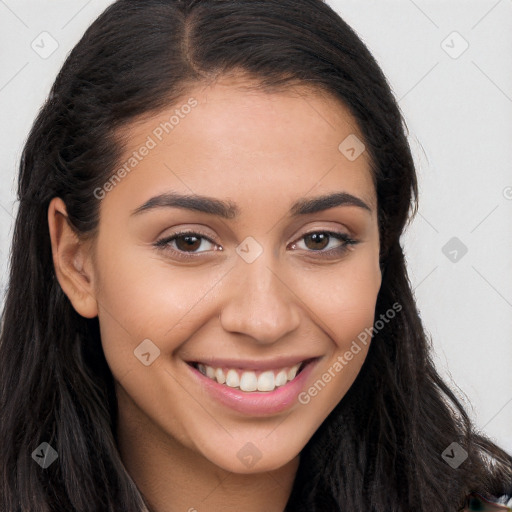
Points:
x=256, y=403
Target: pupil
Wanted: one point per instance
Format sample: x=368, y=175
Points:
x=189, y=244
x=318, y=238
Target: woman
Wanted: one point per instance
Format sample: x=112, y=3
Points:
x=208, y=306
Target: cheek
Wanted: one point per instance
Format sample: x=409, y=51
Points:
x=344, y=303
x=344, y=298
x=143, y=297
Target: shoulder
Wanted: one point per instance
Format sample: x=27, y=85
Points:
x=506, y=500
x=477, y=502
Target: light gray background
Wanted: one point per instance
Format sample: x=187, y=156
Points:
x=458, y=107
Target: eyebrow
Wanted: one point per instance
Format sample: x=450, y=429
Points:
x=229, y=210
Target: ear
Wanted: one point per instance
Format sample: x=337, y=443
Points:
x=72, y=259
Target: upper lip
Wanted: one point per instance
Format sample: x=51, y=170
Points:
x=252, y=364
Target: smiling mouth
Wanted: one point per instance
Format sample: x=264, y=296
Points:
x=251, y=380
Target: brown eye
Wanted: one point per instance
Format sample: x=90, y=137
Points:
x=318, y=241
x=188, y=242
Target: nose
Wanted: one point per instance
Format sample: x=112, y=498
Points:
x=260, y=303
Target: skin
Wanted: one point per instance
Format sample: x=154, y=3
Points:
x=262, y=151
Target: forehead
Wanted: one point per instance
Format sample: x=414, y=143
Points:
x=233, y=136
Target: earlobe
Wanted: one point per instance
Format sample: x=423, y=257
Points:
x=72, y=261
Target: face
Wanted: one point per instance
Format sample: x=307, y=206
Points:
x=254, y=280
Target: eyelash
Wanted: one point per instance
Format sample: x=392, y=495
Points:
x=163, y=244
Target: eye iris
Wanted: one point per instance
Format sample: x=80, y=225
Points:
x=317, y=238
x=191, y=242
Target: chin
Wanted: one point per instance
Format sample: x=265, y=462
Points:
x=250, y=459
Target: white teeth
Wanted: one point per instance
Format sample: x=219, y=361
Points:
x=266, y=381
x=281, y=378
x=219, y=375
x=232, y=379
x=292, y=372
x=248, y=381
